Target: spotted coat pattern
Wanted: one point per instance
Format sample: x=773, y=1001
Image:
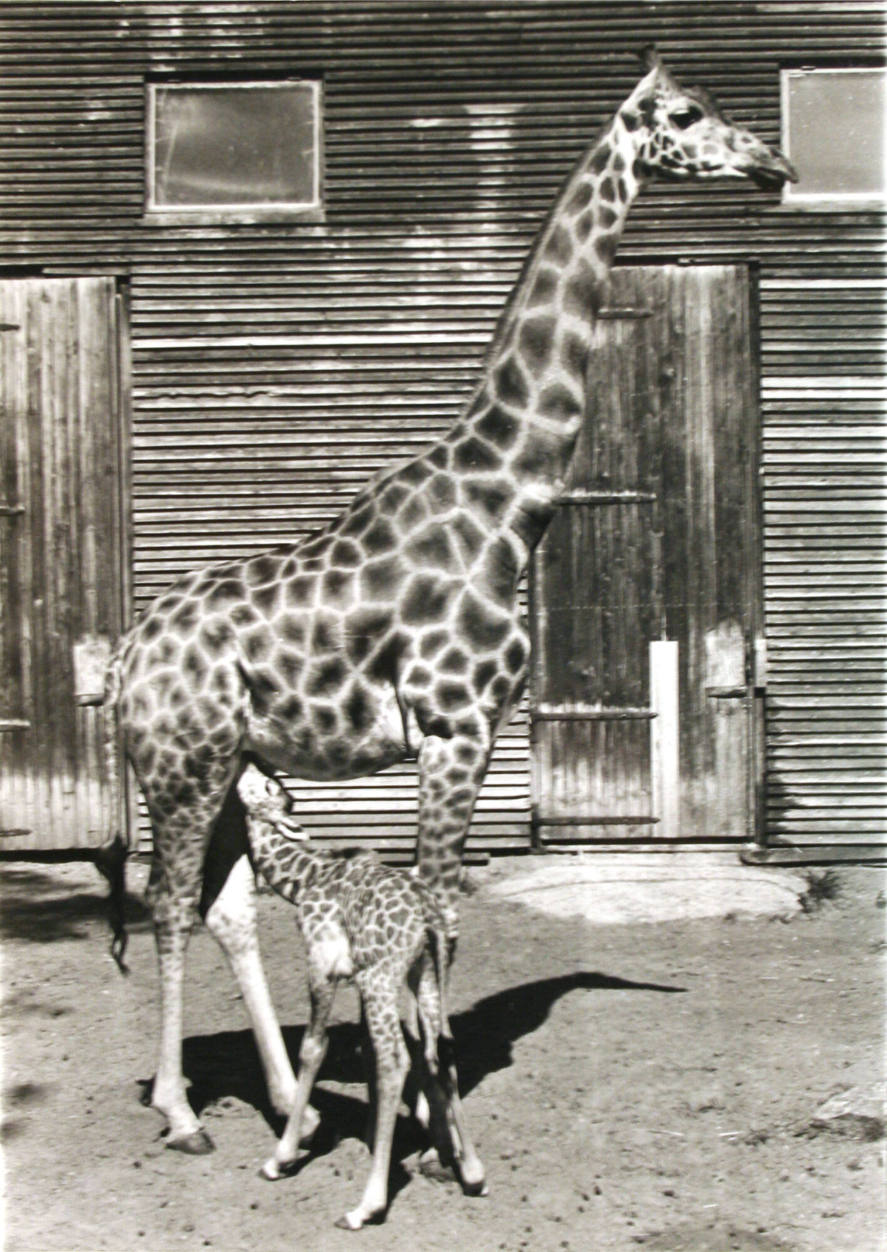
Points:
x=383, y=929
x=395, y=631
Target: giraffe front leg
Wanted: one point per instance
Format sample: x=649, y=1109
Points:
x=451, y=771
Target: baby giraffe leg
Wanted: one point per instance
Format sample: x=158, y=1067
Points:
x=448, y=1126
x=379, y=994
x=417, y=1093
x=311, y=1056
x=471, y=1170
x=369, y=1068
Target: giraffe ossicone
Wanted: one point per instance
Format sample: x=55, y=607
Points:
x=395, y=631
x=383, y=929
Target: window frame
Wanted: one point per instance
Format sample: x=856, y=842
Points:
x=821, y=200
x=246, y=212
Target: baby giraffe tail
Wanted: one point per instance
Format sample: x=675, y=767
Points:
x=439, y=947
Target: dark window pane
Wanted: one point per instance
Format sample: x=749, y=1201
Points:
x=835, y=126
x=234, y=145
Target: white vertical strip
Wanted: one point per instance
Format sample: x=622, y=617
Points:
x=664, y=754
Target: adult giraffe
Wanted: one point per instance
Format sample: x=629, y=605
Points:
x=395, y=631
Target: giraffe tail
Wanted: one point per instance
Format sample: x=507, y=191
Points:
x=439, y=947
x=111, y=858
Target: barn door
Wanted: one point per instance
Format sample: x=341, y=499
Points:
x=61, y=555
x=645, y=595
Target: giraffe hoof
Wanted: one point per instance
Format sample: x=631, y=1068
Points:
x=354, y=1221
x=422, y=1112
x=431, y=1166
x=273, y=1170
x=198, y=1143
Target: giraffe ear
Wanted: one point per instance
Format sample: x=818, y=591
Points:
x=650, y=58
x=292, y=830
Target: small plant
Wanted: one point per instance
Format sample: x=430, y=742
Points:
x=821, y=885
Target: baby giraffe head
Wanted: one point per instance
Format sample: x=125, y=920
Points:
x=683, y=134
x=267, y=801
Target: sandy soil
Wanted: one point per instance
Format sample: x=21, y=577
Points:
x=654, y=1086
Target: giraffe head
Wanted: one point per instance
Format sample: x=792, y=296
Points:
x=267, y=801
x=685, y=135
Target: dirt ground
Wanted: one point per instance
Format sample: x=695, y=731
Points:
x=654, y=1086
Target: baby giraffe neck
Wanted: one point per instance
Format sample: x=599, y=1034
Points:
x=285, y=864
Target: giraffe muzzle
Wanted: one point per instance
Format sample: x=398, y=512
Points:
x=769, y=169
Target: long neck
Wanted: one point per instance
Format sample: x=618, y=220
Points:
x=285, y=864
x=522, y=423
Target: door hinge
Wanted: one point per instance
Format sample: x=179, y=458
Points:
x=616, y=312
x=608, y=497
x=593, y=819
x=546, y=712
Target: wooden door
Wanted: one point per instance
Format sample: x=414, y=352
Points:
x=645, y=595
x=61, y=555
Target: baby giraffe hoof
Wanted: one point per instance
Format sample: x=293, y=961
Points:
x=310, y=1122
x=431, y=1166
x=198, y=1143
x=355, y=1220
x=274, y=1170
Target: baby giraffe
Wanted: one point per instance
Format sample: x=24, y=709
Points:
x=383, y=929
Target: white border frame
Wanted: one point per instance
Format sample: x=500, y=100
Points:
x=210, y=214
x=822, y=199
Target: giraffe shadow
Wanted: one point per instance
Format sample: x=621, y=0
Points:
x=226, y=1066
x=39, y=906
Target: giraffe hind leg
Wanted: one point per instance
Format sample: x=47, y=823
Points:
x=379, y=993
x=200, y=863
x=173, y=892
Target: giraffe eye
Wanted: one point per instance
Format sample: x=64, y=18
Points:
x=686, y=116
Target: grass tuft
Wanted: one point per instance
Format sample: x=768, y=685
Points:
x=822, y=885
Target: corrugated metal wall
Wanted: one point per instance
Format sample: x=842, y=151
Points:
x=824, y=452
x=276, y=367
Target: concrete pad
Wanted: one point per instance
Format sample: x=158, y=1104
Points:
x=858, y=1112
x=606, y=888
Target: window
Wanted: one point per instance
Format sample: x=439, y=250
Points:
x=223, y=152
x=833, y=131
